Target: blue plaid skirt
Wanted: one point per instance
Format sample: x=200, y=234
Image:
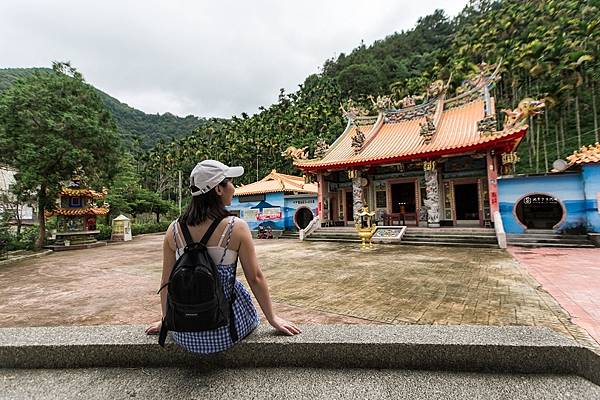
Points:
x=246, y=319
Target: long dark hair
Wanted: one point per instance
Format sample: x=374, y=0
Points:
x=205, y=206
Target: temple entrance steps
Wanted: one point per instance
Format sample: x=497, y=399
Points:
x=456, y=237
x=547, y=238
x=462, y=237
x=289, y=235
x=334, y=234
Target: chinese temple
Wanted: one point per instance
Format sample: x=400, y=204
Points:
x=277, y=201
x=76, y=214
x=432, y=164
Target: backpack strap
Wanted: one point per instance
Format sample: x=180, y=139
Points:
x=227, y=231
x=162, y=336
x=211, y=230
x=188, y=236
x=232, y=329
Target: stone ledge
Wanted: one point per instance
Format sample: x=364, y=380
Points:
x=10, y=260
x=446, y=348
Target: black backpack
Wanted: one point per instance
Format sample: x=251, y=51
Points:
x=195, y=300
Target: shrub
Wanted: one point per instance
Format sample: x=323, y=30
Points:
x=138, y=229
x=26, y=240
x=105, y=231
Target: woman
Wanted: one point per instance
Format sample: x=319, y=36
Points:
x=212, y=190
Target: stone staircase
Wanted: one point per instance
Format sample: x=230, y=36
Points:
x=547, y=238
x=289, y=235
x=462, y=237
x=334, y=234
x=455, y=237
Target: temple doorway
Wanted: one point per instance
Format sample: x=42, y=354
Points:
x=332, y=209
x=403, y=195
x=303, y=217
x=539, y=211
x=467, y=203
x=349, y=206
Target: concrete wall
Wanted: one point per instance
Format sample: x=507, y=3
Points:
x=568, y=189
x=591, y=182
x=279, y=213
x=293, y=203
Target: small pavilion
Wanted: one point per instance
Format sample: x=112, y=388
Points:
x=76, y=214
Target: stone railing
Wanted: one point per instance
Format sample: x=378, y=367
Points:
x=310, y=228
x=500, y=234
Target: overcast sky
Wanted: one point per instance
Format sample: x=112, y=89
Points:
x=206, y=58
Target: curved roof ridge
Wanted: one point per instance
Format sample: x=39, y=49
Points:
x=373, y=131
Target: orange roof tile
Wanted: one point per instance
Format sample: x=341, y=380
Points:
x=75, y=192
x=585, y=155
x=74, y=212
x=276, y=182
x=456, y=131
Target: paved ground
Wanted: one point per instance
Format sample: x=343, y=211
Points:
x=286, y=383
x=572, y=277
x=311, y=282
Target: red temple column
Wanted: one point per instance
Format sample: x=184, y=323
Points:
x=492, y=175
x=321, y=184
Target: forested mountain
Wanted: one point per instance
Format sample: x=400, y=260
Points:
x=136, y=127
x=547, y=49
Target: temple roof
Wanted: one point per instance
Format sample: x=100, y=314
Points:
x=396, y=135
x=75, y=212
x=277, y=182
x=585, y=155
x=85, y=192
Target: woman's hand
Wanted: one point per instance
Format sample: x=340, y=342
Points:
x=284, y=326
x=154, y=328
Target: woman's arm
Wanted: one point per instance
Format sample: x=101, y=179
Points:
x=168, y=262
x=257, y=280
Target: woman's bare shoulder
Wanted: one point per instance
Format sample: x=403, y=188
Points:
x=169, y=234
x=240, y=228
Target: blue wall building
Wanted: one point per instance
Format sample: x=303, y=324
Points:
x=564, y=201
x=278, y=201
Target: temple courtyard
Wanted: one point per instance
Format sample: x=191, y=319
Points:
x=319, y=283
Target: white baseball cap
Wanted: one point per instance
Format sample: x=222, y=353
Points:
x=209, y=173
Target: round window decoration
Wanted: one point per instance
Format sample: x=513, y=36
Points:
x=539, y=211
x=303, y=217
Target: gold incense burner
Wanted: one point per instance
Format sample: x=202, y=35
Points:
x=365, y=227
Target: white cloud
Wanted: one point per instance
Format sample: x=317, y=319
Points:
x=193, y=57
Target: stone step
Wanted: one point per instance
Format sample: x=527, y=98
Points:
x=176, y=383
x=547, y=240
x=329, y=239
x=546, y=236
x=447, y=244
x=561, y=245
x=445, y=235
x=450, y=239
x=458, y=230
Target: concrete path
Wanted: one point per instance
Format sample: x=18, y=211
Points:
x=572, y=277
x=286, y=383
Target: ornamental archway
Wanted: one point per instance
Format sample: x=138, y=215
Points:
x=539, y=211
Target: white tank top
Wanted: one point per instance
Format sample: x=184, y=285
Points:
x=216, y=252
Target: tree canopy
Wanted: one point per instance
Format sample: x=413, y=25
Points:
x=51, y=125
